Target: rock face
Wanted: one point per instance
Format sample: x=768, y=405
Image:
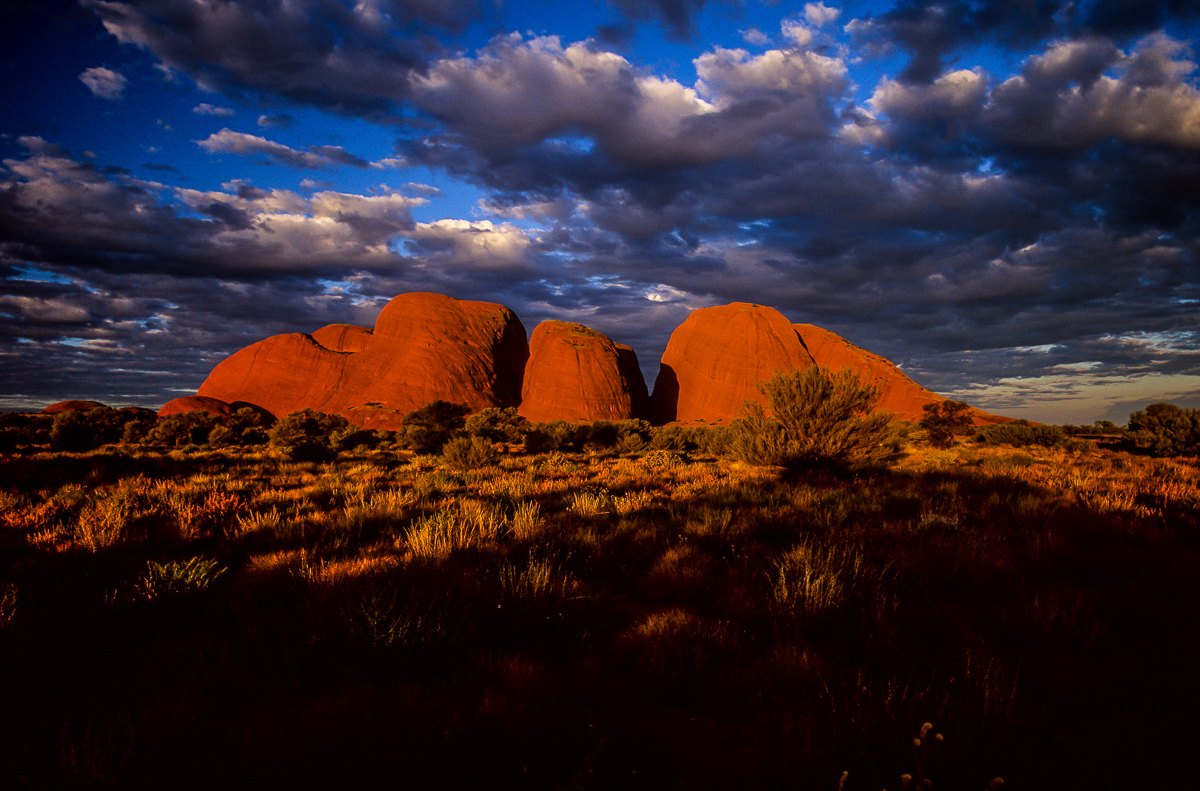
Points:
x=716, y=359
x=576, y=373
x=424, y=347
x=898, y=394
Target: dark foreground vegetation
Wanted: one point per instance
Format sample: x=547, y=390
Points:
x=634, y=613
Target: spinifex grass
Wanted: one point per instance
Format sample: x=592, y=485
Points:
x=656, y=619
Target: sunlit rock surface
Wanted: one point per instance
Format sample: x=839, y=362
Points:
x=576, y=373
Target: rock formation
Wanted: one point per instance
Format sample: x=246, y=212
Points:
x=716, y=359
x=424, y=347
x=73, y=406
x=898, y=394
x=430, y=347
x=576, y=373
x=213, y=406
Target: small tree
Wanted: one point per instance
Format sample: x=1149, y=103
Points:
x=821, y=416
x=943, y=419
x=307, y=435
x=468, y=453
x=427, y=429
x=497, y=425
x=1166, y=430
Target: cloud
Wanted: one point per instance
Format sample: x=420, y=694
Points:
x=1064, y=98
x=102, y=82
x=931, y=30
x=352, y=58
x=279, y=121
x=229, y=142
x=819, y=14
x=518, y=95
x=63, y=212
x=205, y=108
x=678, y=16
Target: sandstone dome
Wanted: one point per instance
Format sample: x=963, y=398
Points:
x=577, y=373
x=72, y=406
x=716, y=359
x=424, y=347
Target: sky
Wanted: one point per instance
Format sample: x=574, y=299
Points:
x=1000, y=196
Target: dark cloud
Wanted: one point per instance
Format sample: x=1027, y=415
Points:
x=931, y=31
x=348, y=57
x=230, y=142
x=677, y=16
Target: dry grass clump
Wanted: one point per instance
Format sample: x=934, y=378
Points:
x=462, y=524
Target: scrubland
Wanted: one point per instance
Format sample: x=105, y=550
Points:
x=658, y=619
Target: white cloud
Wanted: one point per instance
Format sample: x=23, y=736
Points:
x=820, y=14
x=797, y=32
x=230, y=142
x=756, y=37
x=204, y=108
x=102, y=82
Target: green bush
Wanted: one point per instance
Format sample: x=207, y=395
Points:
x=815, y=416
x=184, y=428
x=427, y=429
x=468, y=453
x=80, y=430
x=1020, y=434
x=942, y=421
x=497, y=425
x=1166, y=430
x=307, y=435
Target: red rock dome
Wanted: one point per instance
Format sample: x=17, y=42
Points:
x=716, y=359
x=73, y=406
x=899, y=394
x=425, y=347
x=213, y=406
x=576, y=373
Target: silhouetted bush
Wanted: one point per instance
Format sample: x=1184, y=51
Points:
x=633, y=435
x=1020, y=434
x=307, y=435
x=137, y=426
x=538, y=440
x=427, y=429
x=18, y=429
x=497, y=425
x=943, y=420
x=468, y=453
x=184, y=428
x=815, y=416
x=1166, y=430
x=79, y=430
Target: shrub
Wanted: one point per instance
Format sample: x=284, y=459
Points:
x=84, y=430
x=1020, y=434
x=185, y=428
x=942, y=421
x=165, y=579
x=307, y=435
x=537, y=440
x=1166, y=430
x=816, y=416
x=468, y=453
x=427, y=429
x=497, y=425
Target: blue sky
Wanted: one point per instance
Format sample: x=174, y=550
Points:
x=1003, y=198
